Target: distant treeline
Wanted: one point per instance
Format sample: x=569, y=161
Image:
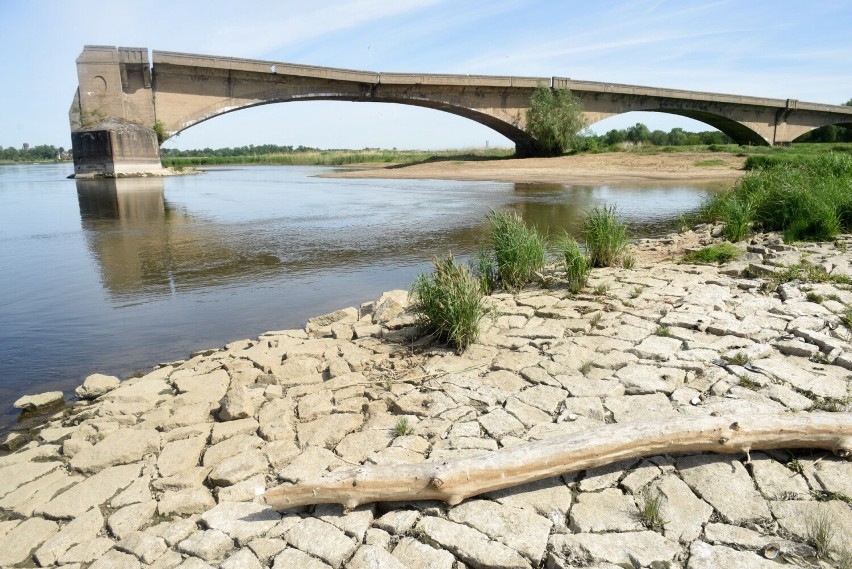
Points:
x=250, y=150
x=641, y=134
x=28, y=153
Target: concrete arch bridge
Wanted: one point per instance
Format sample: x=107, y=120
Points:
x=122, y=95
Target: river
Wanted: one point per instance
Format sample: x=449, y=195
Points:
x=114, y=276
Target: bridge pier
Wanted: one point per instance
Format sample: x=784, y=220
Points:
x=112, y=116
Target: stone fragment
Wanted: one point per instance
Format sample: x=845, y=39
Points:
x=353, y=523
x=498, y=423
x=684, y=513
x=522, y=530
x=230, y=447
x=398, y=522
x=222, y=431
x=242, y=559
x=704, y=556
x=239, y=467
x=417, y=555
x=236, y=404
x=775, y=481
x=87, y=551
x=328, y=431
x=39, y=401
x=244, y=491
x=180, y=455
x=470, y=545
x=630, y=408
x=605, y=511
x=315, y=405
x=290, y=558
x=266, y=548
x=14, y=476
x=20, y=541
x=210, y=545
x=138, y=491
x=241, y=521
x=631, y=549
x=80, y=530
x=606, y=476
x=123, y=446
x=147, y=548
x=372, y=557
x=549, y=498
x=742, y=538
x=131, y=518
x=188, y=501
x=356, y=447
x=799, y=516
x=276, y=420
x=193, y=563
x=96, y=385
x=174, y=532
x=658, y=348
x=724, y=483
x=115, y=559
x=310, y=464
x=184, y=480
x=92, y=491
x=322, y=540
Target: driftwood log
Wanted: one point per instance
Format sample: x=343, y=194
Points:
x=454, y=480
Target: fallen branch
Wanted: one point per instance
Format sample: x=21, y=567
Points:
x=454, y=480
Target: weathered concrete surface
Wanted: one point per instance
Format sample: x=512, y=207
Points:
x=190, y=495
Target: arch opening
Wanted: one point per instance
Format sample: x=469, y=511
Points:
x=740, y=133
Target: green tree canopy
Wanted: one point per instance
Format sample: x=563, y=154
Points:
x=554, y=120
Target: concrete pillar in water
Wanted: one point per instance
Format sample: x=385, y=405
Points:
x=112, y=117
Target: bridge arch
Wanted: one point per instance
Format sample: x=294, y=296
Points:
x=517, y=135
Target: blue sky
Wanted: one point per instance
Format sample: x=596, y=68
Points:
x=772, y=48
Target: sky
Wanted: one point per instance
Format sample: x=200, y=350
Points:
x=769, y=48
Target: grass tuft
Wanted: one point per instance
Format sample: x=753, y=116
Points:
x=518, y=249
x=605, y=236
x=449, y=303
x=403, y=427
x=585, y=368
x=821, y=529
x=738, y=359
x=576, y=263
x=663, y=331
x=650, y=512
x=721, y=253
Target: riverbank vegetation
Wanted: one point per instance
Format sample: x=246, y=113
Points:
x=807, y=198
x=303, y=156
x=518, y=249
x=40, y=153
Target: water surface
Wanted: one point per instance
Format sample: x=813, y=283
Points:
x=115, y=276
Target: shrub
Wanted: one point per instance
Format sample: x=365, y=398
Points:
x=449, y=303
x=484, y=268
x=576, y=263
x=554, y=119
x=605, y=236
x=518, y=249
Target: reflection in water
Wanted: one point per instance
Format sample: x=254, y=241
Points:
x=120, y=274
x=145, y=247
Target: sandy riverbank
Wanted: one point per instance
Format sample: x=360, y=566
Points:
x=166, y=469
x=605, y=168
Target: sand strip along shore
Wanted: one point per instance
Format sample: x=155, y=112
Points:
x=605, y=168
x=165, y=470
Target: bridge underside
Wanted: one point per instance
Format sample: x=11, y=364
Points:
x=183, y=90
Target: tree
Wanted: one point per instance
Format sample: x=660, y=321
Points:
x=638, y=133
x=554, y=119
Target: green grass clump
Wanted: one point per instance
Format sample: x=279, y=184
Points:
x=846, y=318
x=484, y=268
x=518, y=249
x=605, y=236
x=721, y=253
x=449, y=303
x=651, y=512
x=403, y=427
x=821, y=529
x=577, y=264
x=663, y=331
x=738, y=359
x=807, y=273
x=711, y=162
x=807, y=197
